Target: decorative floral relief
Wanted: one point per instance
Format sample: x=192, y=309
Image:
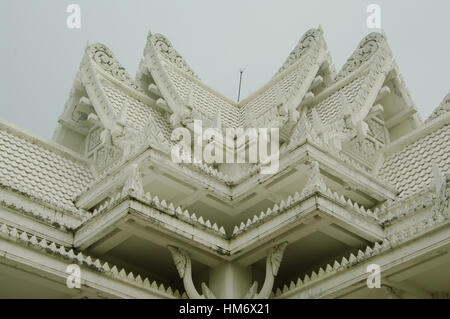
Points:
x=366, y=49
x=106, y=60
x=105, y=157
x=364, y=149
x=367, y=147
x=165, y=47
x=306, y=42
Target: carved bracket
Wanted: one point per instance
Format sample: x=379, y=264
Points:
x=273, y=261
x=182, y=261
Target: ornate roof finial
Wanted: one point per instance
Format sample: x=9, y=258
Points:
x=308, y=40
x=105, y=59
x=320, y=28
x=366, y=49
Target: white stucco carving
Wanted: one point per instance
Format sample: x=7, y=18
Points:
x=361, y=180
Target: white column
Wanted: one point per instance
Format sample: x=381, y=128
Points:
x=230, y=280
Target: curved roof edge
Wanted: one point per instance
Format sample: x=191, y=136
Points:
x=367, y=47
x=443, y=108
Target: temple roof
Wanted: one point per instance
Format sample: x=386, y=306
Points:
x=39, y=169
x=354, y=171
x=181, y=88
x=167, y=93
x=410, y=169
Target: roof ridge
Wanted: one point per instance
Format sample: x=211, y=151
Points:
x=165, y=47
x=105, y=59
x=304, y=43
x=367, y=47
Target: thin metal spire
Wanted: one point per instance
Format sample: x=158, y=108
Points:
x=240, y=82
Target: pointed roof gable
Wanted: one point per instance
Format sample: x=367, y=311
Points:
x=186, y=96
x=356, y=79
x=353, y=90
x=359, y=86
x=120, y=104
x=123, y=100
x=282, y=95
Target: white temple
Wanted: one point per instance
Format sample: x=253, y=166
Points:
x=362, y=180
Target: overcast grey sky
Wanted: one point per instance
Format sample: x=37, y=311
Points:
x=40, y=55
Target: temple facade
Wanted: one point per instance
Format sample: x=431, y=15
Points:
x=357, y=207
